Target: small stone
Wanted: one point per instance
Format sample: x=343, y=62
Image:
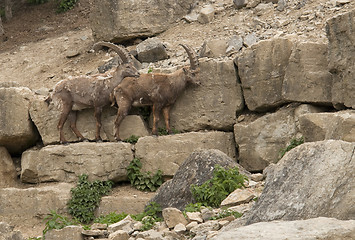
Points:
x=179, y=228
x=191, y=225
x=250, y=39
x=194, y=216
x=257, y=177
x=237, y=197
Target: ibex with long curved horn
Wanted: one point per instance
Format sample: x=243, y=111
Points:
x=90, y=92
x=157, y=89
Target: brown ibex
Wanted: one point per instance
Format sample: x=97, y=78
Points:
x=94, y=91
x=156, y=89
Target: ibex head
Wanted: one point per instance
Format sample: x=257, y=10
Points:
x=192, y=72
x=124, y=58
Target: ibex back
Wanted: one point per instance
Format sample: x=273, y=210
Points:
x=156, y=89
x=90, y=92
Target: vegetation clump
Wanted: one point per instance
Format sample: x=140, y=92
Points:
x=294, y=143
x=214, y=191
x=133, y=139
x=143, y=181
x=86, y=197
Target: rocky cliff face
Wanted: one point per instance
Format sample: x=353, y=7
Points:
x=259, y=91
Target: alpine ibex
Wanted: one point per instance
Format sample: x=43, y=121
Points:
x=94, y=91
x=156, y=89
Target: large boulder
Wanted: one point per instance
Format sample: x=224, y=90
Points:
x=341, y=53
x=260, y=141
x=8, y=173
x=213, y=104
x=26, y=208
x=60, y=163
x=118, y=21
x=17, y=132
x=262, y=69
x=307, y=78
x=167, y=153
x=324, y=126
x=196, y=169
x=312, y=180
x=311, y=229
x=46, y=120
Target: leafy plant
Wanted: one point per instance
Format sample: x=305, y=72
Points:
x=66, y=5
x=163, y=131
x=226, y=213
x=37, y=1
x=86, y=197
x=143, y=181
x=132, y=139
x=150, y=216
x=294, y=143
x=150, y=69
x=56, y=221
x=111, y=218
x=193, y=207
x=215, y=190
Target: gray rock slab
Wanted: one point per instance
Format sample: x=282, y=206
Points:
x=64, y=163
x=310, y=229
x=312, y=180
x=167, y=153
x=17, y=131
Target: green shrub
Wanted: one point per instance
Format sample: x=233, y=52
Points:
x=294, y=143
x=150, y=216
x=110, y=218
x=86, y=197
x=133, y=139
x=214, y=191
x=56, y=221
x=226, y=213
x=143, y=181
x=66, y=5
x=37, y=1
x=163, y=131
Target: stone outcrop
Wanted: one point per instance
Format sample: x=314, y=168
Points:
x=196, y=169
x=168, y=153
x=151, y=50
x=315, y=228
x=69, y=232
x=7, y=232
x=261, y=141
x=324, y=126
x=307, y=78
x=262, y=69
x=341, y=54
x=112, y=20
x=8, y=173
x=46, y=120
x=29, y=206
x=312, y=180
x=194, y=111
x=17, y=132
x=60, y=163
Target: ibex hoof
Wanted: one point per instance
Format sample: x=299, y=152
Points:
x=85, y=140
x=99, y=140
x=64, y=143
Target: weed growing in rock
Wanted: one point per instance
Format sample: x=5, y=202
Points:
x=163, y=131
x=294, y=143
x=111, y=218
x=56, y=221
x=150, y=216
x=226, y=213
x=133, y=139
x=66, y=5
x=214, y=191
x=86, y=197
x=143, y=181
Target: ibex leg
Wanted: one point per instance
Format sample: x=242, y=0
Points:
x=63, y=118
x=72, y=119
x=166, y=113
x=156, y=110
x=121, y=114
x=98, y=111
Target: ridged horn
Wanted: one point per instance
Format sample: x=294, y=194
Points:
x=192, y=56
x=120, y=50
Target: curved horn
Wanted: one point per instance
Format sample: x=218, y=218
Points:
x=120, y=50
x=192, y=56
